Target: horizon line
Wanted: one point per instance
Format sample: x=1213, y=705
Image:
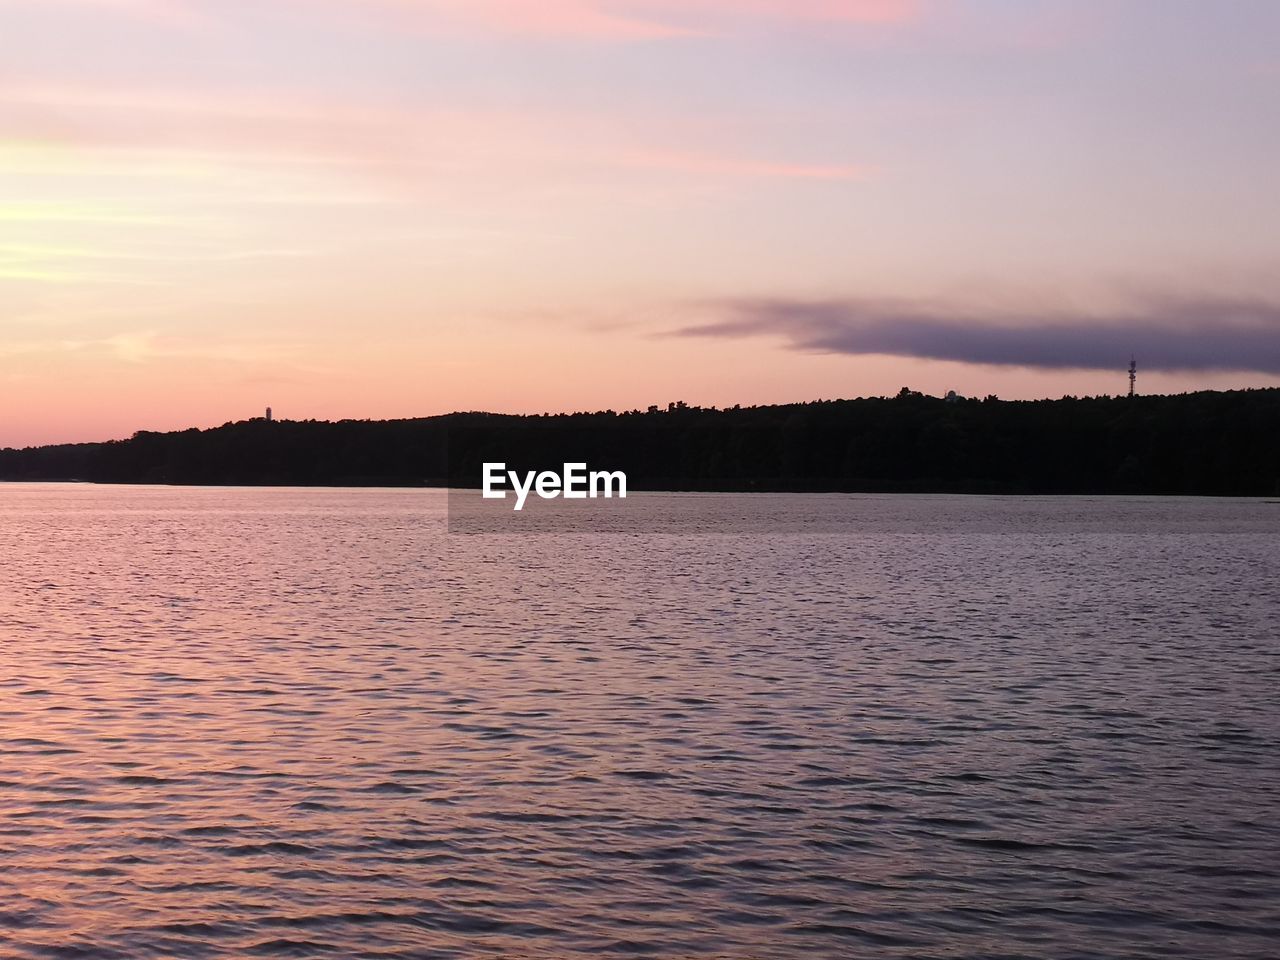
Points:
x=673, y=406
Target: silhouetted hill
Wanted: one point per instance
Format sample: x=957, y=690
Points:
x=1215, y=443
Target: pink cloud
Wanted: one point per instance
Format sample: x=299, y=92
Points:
x=559, y=17
x=647, y=19
x=581, y=19
x=848, y=11
x=596, y=19
x=395, y=145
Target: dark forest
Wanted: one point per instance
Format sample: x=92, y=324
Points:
x=1207, y=443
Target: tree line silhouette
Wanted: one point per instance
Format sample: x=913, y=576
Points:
x=1209, y=443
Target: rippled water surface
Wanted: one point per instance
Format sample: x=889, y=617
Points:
x=240, y=723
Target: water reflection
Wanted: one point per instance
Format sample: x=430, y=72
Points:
x=302, y=723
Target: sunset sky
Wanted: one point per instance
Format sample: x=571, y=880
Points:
x=391, y=208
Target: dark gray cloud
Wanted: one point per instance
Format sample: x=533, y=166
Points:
x=1168, y=334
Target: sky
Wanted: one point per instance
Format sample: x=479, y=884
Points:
x=395, y=208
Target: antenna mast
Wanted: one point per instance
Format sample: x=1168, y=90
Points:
x=1133, y=376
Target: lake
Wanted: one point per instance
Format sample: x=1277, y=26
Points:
x=307, y=723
